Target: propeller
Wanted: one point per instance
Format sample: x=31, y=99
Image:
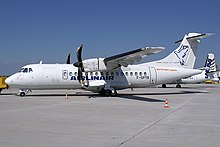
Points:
x=79, y=64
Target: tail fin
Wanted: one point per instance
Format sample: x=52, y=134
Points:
x=211, y=67
x=210, y=63
x=185, y=54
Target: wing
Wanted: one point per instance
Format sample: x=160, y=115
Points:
x=130, y=57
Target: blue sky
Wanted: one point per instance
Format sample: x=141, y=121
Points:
x=47, y=30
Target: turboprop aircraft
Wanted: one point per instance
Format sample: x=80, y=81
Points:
x=209, y=71
x=107, y=75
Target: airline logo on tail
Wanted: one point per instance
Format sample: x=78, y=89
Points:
x=210, y=64
x=182, y=53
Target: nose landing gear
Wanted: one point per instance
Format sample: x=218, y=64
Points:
x=24, y=92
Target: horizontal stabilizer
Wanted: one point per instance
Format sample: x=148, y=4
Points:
x=197, y=37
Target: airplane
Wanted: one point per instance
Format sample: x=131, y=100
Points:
x=107, y=75
x=208, y=72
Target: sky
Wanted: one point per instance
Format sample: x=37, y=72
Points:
x=48, y=30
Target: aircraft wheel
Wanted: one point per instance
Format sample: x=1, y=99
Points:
x=102, y=92
x=108, y=93
x=22, y=94
x=164, y=85
x=114, y=93
x=178, y=86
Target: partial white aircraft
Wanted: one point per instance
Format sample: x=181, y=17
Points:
x=212, y=71
x=209, y=71
x=106, y=75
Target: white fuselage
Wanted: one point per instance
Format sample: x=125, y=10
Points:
x=65, y=76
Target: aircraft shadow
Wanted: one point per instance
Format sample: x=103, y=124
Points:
x=6, y=94
x=171, y=93
x=130, y=96
x=139, y=98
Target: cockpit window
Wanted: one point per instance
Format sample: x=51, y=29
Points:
x=21, y=70
x=26, y=70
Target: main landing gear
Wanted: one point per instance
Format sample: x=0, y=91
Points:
x=177, y=86
x=108, y=92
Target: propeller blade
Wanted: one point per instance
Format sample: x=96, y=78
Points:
x=79, y=57
x=80, y=75
x=79, y=64
x=68, y=59
x=79, y=53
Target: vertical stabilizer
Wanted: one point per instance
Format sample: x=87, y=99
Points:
x=210, y=63
x=211, y=67
x=185, y=54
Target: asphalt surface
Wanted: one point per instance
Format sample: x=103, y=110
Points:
x=134, y=118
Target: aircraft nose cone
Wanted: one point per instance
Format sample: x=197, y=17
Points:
x=8, y=81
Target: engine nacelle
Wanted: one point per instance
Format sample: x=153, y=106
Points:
x=94, y=64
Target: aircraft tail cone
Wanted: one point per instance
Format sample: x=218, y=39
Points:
x=166, y=104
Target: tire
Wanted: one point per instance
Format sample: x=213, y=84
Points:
x=108, y=93
x=178, y=86
x=114, y=93
x=164, y=85
x=102, y=92
x=22, y=94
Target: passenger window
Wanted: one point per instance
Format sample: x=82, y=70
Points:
x=75, y=73
x=112, y=73
x=96, y=73
x=140, y=73
x=126, y=73
x=102, y=74
x=122, y=74
x=117, y=74
x=91, y=73
x=107, y=73
x=136, y=74
x=145, y=73
x=131, y=73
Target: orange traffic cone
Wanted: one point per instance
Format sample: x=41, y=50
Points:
x=166, y=104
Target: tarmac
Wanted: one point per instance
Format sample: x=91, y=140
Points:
x=133, y=118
